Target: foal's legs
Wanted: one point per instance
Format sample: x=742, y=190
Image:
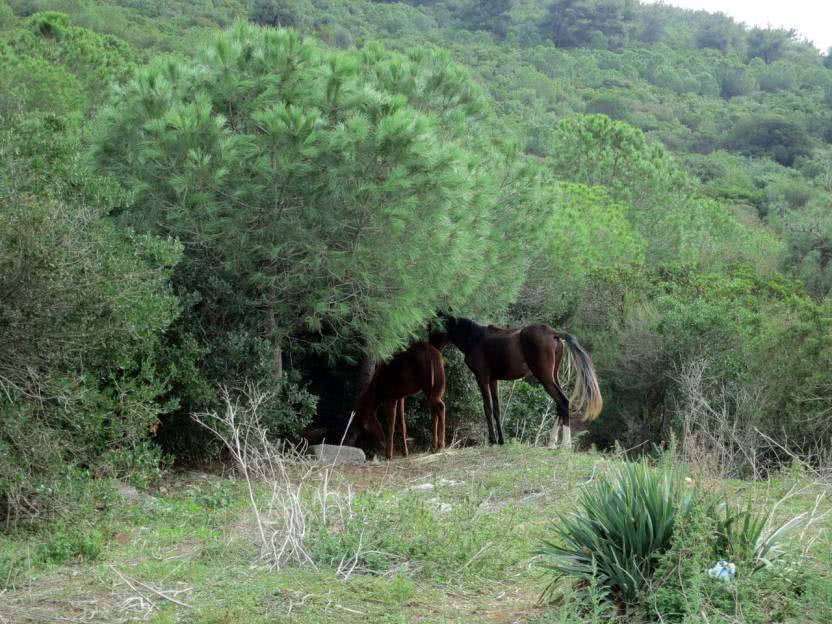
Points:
x=402, y=424
x=485, y=390
x=495, y=399
x=437, y=410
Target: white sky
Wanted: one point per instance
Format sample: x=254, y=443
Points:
x=811, y=18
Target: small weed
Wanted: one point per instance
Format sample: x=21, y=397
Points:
x=69, y=543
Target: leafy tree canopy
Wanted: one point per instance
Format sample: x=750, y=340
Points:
x=342, y=189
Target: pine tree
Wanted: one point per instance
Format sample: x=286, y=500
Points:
x=344, y=197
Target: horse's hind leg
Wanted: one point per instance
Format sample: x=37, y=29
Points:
x=495, y=400
x=442, y=426
x=562, y=426
x=402, y=424
x=437, y=410
x=544, y=366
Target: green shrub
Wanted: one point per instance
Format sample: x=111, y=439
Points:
x=68, y=542
x=528, y=413
x=647, y=539
x=749, y=538
x=623, y=523
x=680, y=577
x=83, y=310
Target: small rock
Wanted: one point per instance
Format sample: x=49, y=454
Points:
x=332, y=454
x=422, y=486
x=450, y=482
x=128, y=492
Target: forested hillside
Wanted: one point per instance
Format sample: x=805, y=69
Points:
x=184, y=207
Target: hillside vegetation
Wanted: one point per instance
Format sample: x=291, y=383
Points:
x=447, y=538
x=202, y=194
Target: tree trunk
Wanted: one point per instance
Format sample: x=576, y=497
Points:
x=366, y=368
x=277, y=351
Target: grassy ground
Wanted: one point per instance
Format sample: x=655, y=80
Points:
x=456, y=550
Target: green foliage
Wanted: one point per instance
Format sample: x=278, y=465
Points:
x=782, y=139
x=655, y=194
x=261, y=155
x=6, y=15
x=328, y=203
x=68, y=543
x=81, y=377
x=647, y=539
x=768, y=44
x=49, y=65
x=680, y=581
x=646, y=326
x=719, y=32
x=588, y=231
x=286, y=13
x=489, y=15
x=623, y=523
x=289, y=411
x=594, y=23
x=528, y=413
x=746, y=535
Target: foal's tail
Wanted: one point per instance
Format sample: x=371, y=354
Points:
x=435, y=372
x=586, y=395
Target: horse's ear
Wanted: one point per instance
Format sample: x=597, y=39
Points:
x=439, y=322
x=445, y=317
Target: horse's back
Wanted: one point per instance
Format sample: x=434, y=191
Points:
x=419, y=368
x=537, y=332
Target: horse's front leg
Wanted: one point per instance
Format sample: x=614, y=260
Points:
x=495, y=399
x=485, y=390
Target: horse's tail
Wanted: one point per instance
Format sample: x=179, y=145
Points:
x=586, y=395
x=435, y=369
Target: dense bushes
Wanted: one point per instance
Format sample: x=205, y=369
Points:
x=781, y=139
x=82, y=309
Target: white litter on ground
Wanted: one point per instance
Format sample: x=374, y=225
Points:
x=723, y=570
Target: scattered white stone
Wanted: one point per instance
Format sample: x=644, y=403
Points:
x=450, y=482
x=334, y=454
x=422, y=486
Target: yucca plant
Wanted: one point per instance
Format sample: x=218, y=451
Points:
x=746, y=536
x=623, y=522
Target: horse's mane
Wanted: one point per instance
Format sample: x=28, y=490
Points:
x=467, y=333
x=502, y=330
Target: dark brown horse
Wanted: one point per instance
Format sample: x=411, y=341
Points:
x=494, y=353
x=419, y=368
